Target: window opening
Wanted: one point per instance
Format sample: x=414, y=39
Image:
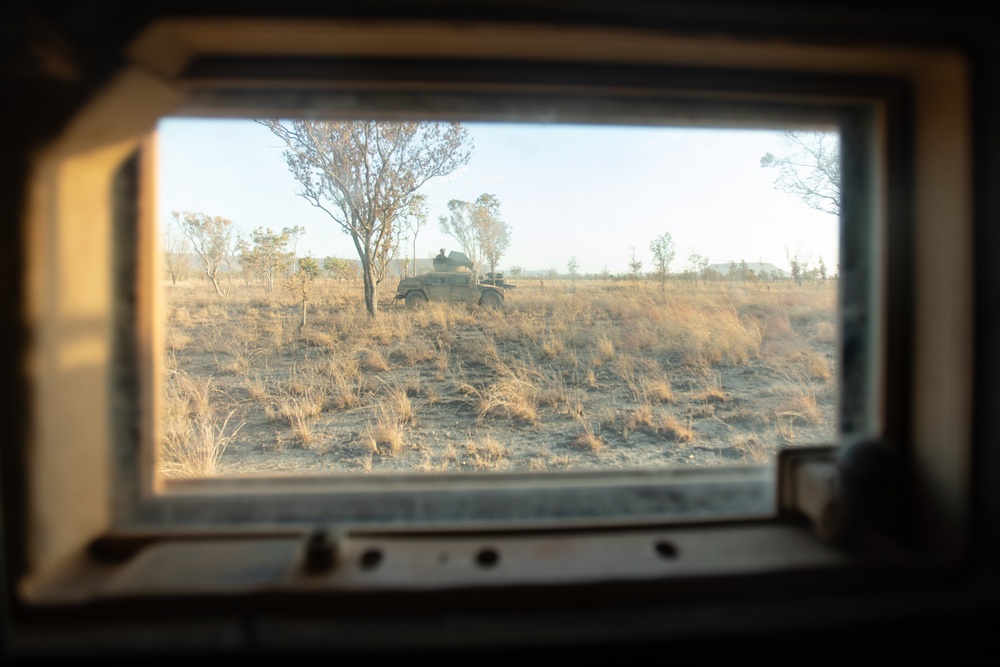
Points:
x=619, y=298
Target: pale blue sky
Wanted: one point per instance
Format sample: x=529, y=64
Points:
x=586, y=191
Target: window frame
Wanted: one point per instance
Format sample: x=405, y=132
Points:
x=658, y=95
x=939, y=492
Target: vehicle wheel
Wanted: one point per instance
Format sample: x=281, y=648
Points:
x=415, y=299
x=491, y=299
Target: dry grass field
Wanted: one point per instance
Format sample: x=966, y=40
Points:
x=606, y=375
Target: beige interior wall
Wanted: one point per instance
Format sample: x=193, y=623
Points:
x=69, y=293
x=69, y=230
x=944, y=305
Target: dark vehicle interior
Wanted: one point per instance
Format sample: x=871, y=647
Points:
x=86, y=81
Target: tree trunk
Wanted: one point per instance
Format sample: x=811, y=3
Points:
x=371, y=291
x=215, y=283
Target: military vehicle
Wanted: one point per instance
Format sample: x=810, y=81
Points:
x=452, y=280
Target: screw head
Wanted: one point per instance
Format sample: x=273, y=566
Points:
x=321, y=551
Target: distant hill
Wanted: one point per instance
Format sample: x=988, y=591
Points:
x=723, y=269
x=757, y=267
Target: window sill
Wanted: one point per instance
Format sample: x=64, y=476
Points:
x=468, y=589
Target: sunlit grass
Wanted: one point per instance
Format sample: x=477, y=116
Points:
x=605, y=368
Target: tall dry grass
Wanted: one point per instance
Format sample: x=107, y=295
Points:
x=532, y=363
x=194, y=437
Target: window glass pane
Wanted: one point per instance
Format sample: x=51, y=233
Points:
x=621, y=297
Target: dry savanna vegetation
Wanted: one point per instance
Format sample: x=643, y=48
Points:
x=593, y=375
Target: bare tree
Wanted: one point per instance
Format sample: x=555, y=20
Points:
x=245, y=257
x=294, y=234
x=494, y=233
x=269, y=256
x=810, y=170
x=798, y=264
x=403, y=267
x=698, y=265
x=635, y=268
x=301, y=283
x=460, y=224
x=662, y=248
x=363, y=174
x=175, y=249
x=416, y=219
x=212, y=240
x=706, y=269
x=572, y=265
x=477, y=227
x=341, y=269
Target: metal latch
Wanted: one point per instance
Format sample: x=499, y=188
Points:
x=845, y=491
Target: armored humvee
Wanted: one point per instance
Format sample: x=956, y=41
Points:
x=452, y=280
